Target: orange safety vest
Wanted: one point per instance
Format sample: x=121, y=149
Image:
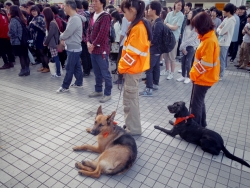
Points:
x=135, y=54
x=207, y=54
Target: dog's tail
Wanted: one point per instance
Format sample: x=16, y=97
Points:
x=231, y=156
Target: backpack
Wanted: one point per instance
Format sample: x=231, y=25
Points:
x=167, y=41
x=111, y=30
x=64, y=24
x=86, y=24
x=26, y=37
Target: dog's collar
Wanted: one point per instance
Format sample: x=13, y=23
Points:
x=105, y=134
x=180, y=119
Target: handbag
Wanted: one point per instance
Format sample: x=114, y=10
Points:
x=60, y=47
x=52, y=68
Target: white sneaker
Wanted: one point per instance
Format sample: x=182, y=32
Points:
x=186, y=81
x=179, y=71
x=170, y=76
x=164, y=73
x=181, y=79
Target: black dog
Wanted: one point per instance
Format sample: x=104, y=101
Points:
x=189, y=130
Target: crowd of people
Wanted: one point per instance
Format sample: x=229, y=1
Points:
x=79, y=37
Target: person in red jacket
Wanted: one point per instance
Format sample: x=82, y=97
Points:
x=5, y=46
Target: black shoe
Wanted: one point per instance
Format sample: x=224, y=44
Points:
x=161, y=64
x=237, y=65
x=85, y=74
x=6, y=66
x=143, y=79
x=171, y=122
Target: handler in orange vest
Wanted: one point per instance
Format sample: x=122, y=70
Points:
x=206, y=67
x=135, y=59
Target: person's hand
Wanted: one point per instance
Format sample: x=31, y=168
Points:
x=44, y=44
x=62, y=42
x=90, y=47
x=184, y=52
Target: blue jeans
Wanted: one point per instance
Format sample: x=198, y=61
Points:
x=73, y=67
x=100, y=66
x=186, y=61
x=223, y=59
x=153, y=74
x=58, y=65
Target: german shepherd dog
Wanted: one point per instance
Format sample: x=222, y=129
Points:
x=192, y=132
x=117, y=148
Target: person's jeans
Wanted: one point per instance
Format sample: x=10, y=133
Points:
x=153, y=74
x=223, y=59
x=86, y=60
x=73, y=67
x=58, y=65
x=100, y=66
x=186, y=61
x=197, y=105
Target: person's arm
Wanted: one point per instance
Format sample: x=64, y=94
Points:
x=13, y=30
x=158, y=27
x=175, y=26
x=72, y=26
x=223, y=28
x=191, y=39
x=52, y=29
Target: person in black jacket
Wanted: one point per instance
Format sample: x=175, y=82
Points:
x=243, y=21
x=153, y=74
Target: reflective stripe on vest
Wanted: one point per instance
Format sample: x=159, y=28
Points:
x=206, y=63
x=135, y=50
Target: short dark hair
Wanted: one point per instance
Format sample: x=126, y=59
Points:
x=54, y=9
x=78, y=4
x=85, y=5
x=109, y=6
x=156, y=5
x=242, y=7
x=165, y=8
x=46, y=5
x=35, y=8
x=215, y=10
x=202, y=23
x=8, y=4
x=179, y=1
x=71, y=3
x=117, y=16
x=30, y=3
x=24, y=5
x=229, y=8
x=189, y=5
x=163, y=14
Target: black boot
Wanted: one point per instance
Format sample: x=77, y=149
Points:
x=22, y=72
x=27, y=71
x=5, y=66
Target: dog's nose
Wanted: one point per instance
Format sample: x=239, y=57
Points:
x=94, y=132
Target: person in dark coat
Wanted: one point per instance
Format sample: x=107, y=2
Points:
x=243, y=21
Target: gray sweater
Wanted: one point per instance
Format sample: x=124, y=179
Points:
x=52, y=40
x=15, y=32
x=73, y=33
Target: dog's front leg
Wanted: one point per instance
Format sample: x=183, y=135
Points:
x=96, y=149
x=173, y=132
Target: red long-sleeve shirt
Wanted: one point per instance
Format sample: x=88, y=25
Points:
x=98, y=33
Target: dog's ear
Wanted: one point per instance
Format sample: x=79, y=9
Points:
x=183, y=103
x=99, y=111
x=111, y=118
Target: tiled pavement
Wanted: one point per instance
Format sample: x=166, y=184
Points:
x=39, y=128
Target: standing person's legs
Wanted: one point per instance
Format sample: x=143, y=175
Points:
x=198, y=105
x=189, y=59
x=58, y=65
x=183, y=66
x=72, y=58
x=86, y=60
x=131, y=103
x=62, y=57
x=156, y=71
x=171, y=59
x=223, y=59
x=119, y=80
x=78, y=69
x=6, y=53
x=245, y=54
x=149, y=73
x=234, y=50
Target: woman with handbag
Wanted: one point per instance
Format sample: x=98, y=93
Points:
x=38, y=29
x=52, y=40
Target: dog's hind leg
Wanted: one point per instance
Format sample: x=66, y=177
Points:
x=82, y=167
x=91, y=164
x=210, y=146
x=95, y=174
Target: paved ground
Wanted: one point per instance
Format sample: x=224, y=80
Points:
x=39, y=127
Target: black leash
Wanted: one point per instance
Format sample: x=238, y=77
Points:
x=192, y=94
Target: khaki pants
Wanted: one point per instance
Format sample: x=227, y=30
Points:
x=244, y=54
x=170, y=57
x=131, y=103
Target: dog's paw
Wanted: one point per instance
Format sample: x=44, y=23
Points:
x=76, y=148
x=80, y=173
x=88, y=130
x=156, y=127
x=77, y=165
x=83, y=162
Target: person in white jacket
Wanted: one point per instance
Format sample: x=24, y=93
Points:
x=225, y=34
x=188, y=47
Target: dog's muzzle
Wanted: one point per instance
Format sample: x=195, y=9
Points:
x=95, y=132
x=171, y=109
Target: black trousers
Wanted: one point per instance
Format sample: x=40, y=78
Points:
x=197, y=105
x=233, y=49
x=6, y=51
x=86, y=60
